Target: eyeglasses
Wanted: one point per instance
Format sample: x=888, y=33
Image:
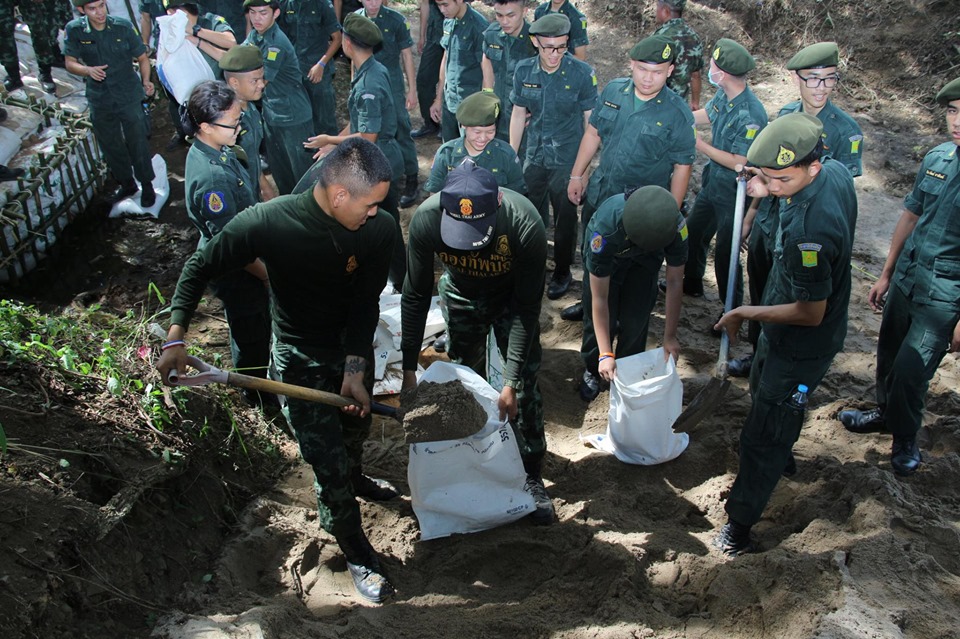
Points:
x=227, y=126
x=546, y=49
x=813, y=81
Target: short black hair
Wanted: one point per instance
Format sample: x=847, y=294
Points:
x=523, y=2
x=357, y=164
x=207, y=103
x=812, y=156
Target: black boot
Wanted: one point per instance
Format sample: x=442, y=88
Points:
x=734, y=539
x=12, y=83
x=410, y=191
x=123, y=190
x=46, y=80
x=364, y=565
x=372, y=489
x=148, y=197
x=7, y=174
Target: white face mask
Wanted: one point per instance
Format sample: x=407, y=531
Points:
x=711, y=80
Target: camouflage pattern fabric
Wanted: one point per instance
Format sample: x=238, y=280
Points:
x=45, y=18
x=689, y=59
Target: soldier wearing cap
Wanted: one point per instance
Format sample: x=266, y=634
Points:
x=558, y=92
x=99, y=47
x=815, y=70
x=373, y=116
x=628, y=238
x=919, y=292
x=478, y=116
x=688, y=61
x=314, y=32
x=736, y=117
x=578, y=24
x=493, y=249
x=460, y=72
x=242, y=68
x=396, y=53
x=506, y=42
x=286, y=107
x=803, y=312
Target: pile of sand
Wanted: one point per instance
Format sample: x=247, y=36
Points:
x=440, y=411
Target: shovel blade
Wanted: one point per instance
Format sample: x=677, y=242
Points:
x=703, y=404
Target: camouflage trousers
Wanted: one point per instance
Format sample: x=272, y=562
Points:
x=330, y=440
x=468, y=323
x=45, y=18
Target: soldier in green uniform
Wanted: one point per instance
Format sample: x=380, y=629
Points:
x=373, y=116
x=815, y=70
x=314, y=32
x=688, y=61
x=217, y=187
x=428, y=71
x=232, y=11
x=286, y=107
x=493, y=248
x=397, y=48
x=150, y=10
x=44, y=19
x=460, y=71
x=919, y=292
x=242, y=68
x=804, y=308
x=558, y=91
x=478, y=116
x=736, y=117
x=578, y=24
x=644, y=132
x=100, y=47
x=505, y=43
x=330, y=242
x=628, y=239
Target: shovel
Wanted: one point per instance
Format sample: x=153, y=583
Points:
x=211, y=375
x=709, y=397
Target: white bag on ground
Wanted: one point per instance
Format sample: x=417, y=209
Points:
x=646, y=398
x=130, y=206
x=470, y=484
x=180, y=65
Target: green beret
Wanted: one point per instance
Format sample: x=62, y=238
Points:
x=949, y=93
x=678, y=5
x=259, y=3
x=80, y=3
x=816, y=56
x=655, y=49
x=362, y=29
x=650, y=217
x=173, y=4
x=785, y=141
x=479, y=109
x=241, y=58
x=552, y=25
x=732, y=57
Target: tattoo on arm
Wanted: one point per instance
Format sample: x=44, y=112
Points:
x=354, y=365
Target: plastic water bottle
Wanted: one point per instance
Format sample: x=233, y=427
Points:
x=798, y=401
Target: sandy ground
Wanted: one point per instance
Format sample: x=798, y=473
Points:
x=846, y=548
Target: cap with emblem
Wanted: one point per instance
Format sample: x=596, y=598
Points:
x=479, y=109
x=650, y=217
x=949, y=93
x=552, y=25
x=258, y=3
x=656, y=49
x=469, y=201
x=785, y=141
x=362, y=29
x=816, y=56
x=241, y=59
x=732, y=57
x=678, y=5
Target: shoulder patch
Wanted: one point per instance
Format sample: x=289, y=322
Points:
x=752, y=131
x=213, y=200
x=809, y=253
x=682, y=230
x=597, y=242
x=593, y=78
x=272, y=53
x=855, y=143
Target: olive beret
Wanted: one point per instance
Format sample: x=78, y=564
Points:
x=260, y=3
x=655, y=49
x=678, y=5
x=949, y=93
x=650, y=217
x=552, y=25
x=362, y=29
x=785, y=141
x=80, y=3
x=821, y=54
x=732, y=57
x=241, y=58
x=479, y=109
x=172, y=4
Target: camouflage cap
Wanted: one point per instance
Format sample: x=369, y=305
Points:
x=949, y=93
x=650, y=217
x=816, y=56
x=469, y=201
x=260, y=3
x=678, y=5
x=655, y=49
x=552, y=25
x=785, y=141
x=362, y=29
x=241, y=58
x=732, y=57
x=479, y=109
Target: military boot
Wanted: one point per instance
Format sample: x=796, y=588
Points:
x=363, y=563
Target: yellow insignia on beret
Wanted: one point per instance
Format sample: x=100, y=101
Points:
x=466, y=206
x=496, y=110
x=716, y=53
x=666, y=52
x=786, y=156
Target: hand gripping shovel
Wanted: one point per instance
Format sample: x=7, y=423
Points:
x=211, y=375
x=709, y=397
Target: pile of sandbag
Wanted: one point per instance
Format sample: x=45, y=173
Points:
x=386, y=342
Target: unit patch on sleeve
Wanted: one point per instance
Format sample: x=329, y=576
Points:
x=597, y=242
x=214, y=202
x=808, y=253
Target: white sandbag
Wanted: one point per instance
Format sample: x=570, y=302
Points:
x=9, y=145
x=180, y=65
x=470, y=484
x=130, y=207
x=646, y=398
x=23, y=122
x=386, y=340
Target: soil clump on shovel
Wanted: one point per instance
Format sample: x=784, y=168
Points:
x=440, y=411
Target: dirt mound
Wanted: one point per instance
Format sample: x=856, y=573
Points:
x=437, y=412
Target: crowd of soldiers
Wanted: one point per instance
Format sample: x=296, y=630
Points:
x=522, y=120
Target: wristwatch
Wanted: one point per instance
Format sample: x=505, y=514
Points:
x=196, y=30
